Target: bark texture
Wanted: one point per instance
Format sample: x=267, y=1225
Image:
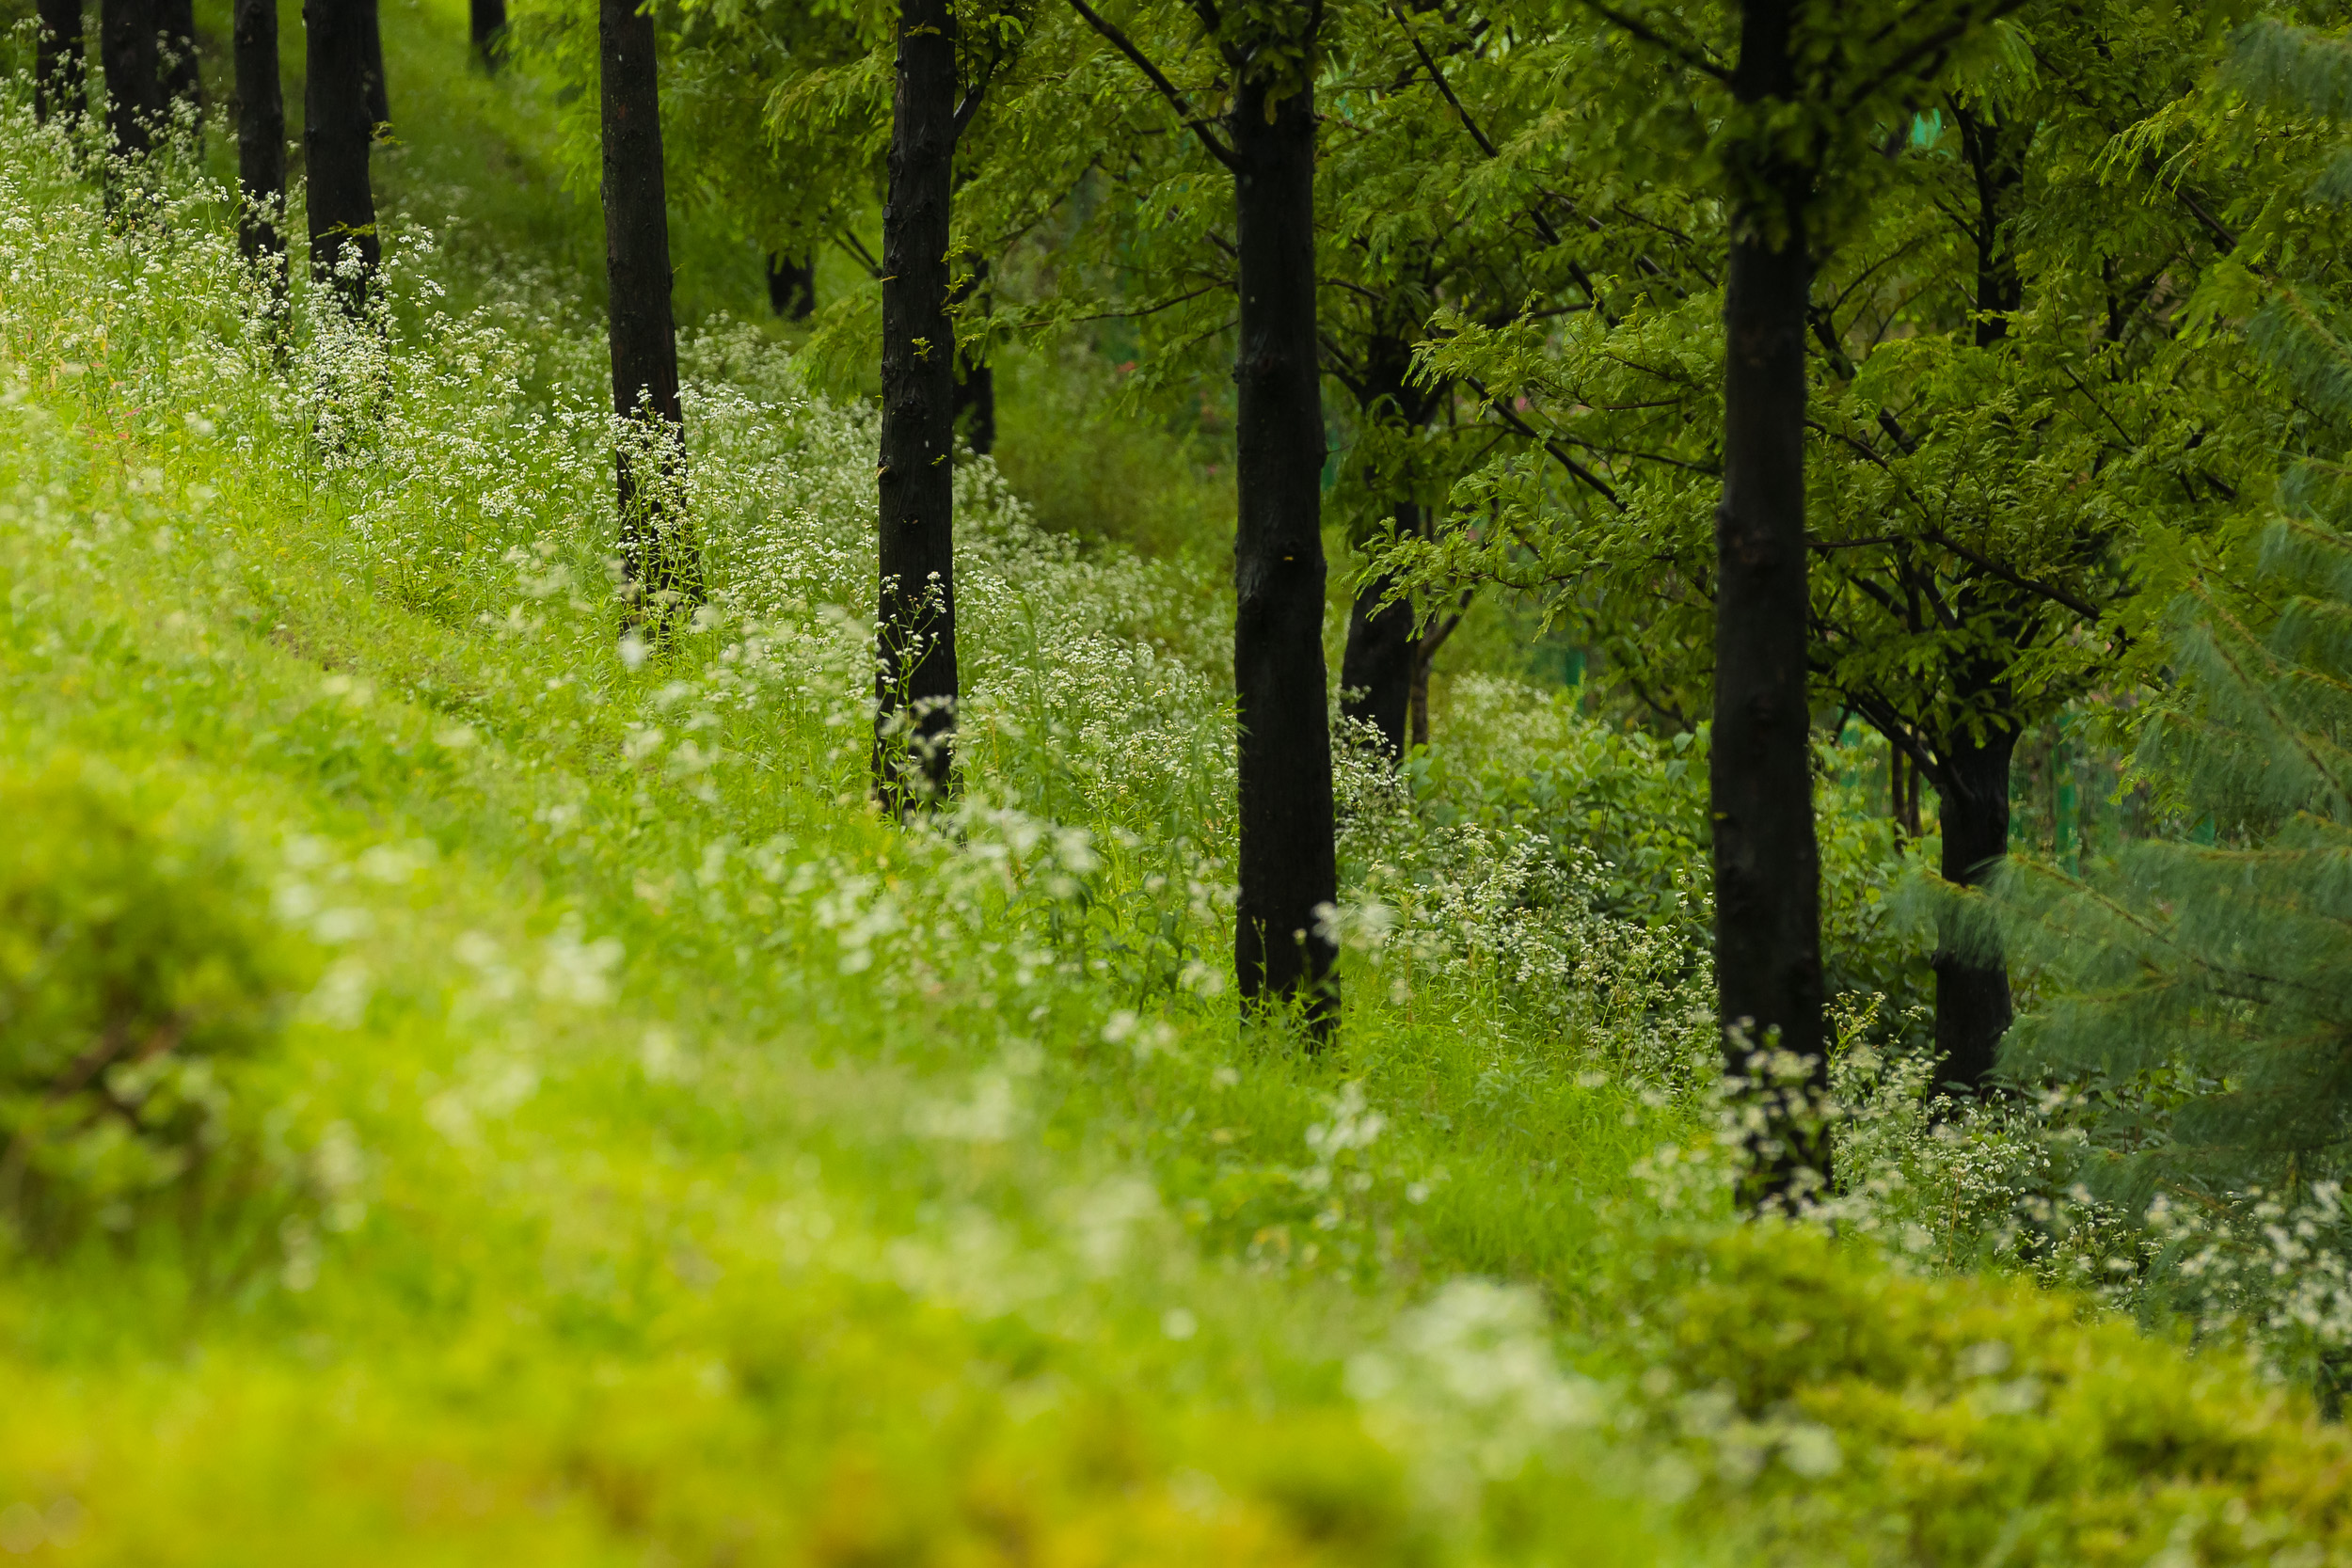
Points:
x=1767, y=958
x=335, y=136
x=1287, y=862
x=126, y=50
x=489, y=33
x=61, y=75
x=656, y=551
x=916, y=687
x=261, y=111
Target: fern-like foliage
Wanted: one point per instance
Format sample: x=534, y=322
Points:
x=2201, y=986
x=2207, y=986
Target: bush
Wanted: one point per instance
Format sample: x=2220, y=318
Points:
x=134, y=969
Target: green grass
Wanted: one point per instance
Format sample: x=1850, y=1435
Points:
x=658, y=1157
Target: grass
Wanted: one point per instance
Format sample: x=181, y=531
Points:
x=658, y=1157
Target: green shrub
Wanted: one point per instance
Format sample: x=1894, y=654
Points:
x=135, y=965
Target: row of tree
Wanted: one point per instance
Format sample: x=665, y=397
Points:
x=1862, y=359
x=1779, y=108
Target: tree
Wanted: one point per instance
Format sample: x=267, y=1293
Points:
x=336, y=135
x=656, y=556
x=260, y=114
x=2015, y=425
x=2197, y=982
x=975, y=377
x=916, y=687
x=60, y=71
x=1768, y=875
x=1288, y=866
x=126, y=49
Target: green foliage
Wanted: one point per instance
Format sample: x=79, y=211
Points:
x=2205, y=982
x=687, y=1164
x=135, y=970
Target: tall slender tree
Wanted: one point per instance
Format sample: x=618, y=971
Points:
x=60, y=73
x=1289, y=869
x=656, y=553
x=915, y=682
x=126, y=49
x=1768, y=901
x=1288, y=864
x=489, y=20
x=261, y=111
x=1381, y=657
x=336, y=133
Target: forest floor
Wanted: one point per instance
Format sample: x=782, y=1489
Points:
x=661, y=1159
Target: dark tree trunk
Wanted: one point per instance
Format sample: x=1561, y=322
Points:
x=260, y=108
x=335, y=138
x=791, y=286
x=1768, y=957
x=489, y=33
x=372, y=74
x=1381, y=664
x=126, y=49
x=1377, y=668
x=60, y=82
x=915, y=657
x=1972, y=997
x=976, y=378
x=181, y=80
x=1288, y=866
x=656, y=552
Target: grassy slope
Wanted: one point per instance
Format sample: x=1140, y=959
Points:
x=729, y=1250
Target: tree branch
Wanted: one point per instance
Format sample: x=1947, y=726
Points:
x=1167, y=88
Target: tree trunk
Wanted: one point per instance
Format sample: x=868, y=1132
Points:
x=335, y=136
x=791, y=286
x=60, y=82
x=656, y=553
x=126, y=50
x=1380, y=665
x=1767, y=958
x=489, y=33
x=1377, y=671
x=260, y=110
x=914, y=677
x=976, y=379
x=379, y=101
x=1288, y=865
x=1972, y=997
x=181, y=80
